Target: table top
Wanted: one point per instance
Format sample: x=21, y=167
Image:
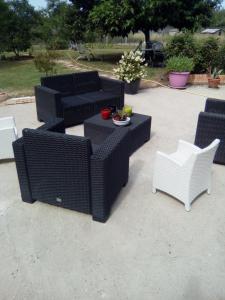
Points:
x=136, y=120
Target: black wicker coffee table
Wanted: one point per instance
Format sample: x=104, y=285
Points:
x=98, y=129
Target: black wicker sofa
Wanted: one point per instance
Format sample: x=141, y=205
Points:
x=211, y=125
x=69, y=171
x=76, y=97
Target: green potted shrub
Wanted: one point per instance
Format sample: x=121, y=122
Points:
x=131, y=70
x=214, y=79
x=179, y=68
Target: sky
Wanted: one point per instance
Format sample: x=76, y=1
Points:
x=42, y=3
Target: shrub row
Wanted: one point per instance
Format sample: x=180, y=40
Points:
x=205, y=52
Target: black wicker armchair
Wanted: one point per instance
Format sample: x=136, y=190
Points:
x=76, y=97
x=69, y=171
x=211, y=125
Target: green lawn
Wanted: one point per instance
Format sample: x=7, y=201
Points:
x=18, y=78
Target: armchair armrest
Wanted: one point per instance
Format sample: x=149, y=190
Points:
x=170, y=172
x=166, y=159
x=109, y=172
x=187, y=148
x=21, y=166
x=115, y=86
x=215, y=106
x=55, y=125
x=48, y=103
x=210, y=126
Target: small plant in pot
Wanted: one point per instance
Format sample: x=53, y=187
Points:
x=131, y=70
x=179, y=68
x=214, y=79
x=120, y=118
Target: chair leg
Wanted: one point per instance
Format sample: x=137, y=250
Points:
x=187, y=206
x=154, y=190
x=209, y=189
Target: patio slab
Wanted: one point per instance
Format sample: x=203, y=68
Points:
x=150, y=248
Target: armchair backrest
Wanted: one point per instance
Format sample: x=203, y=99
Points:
x=215, y=106
x=202, y=163
x=206, y=155
x=59, y=168
x=73, y=84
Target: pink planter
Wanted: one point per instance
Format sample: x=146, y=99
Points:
x=178, y=80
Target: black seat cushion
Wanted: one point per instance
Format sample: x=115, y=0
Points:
x=99, y=96
x=74, y=101
x=62, y=83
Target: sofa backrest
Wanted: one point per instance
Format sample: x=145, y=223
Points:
x=85, y=82
x=62, y=83
x=73, y=84
x=59, y=168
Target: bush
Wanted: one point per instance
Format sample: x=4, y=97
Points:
x=45, y=62
x=181, y=45
x=203, y=52
x=179, y=64
x=130, y=67
x=220, y=61
x=206, y=55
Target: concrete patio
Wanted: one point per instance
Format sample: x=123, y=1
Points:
x=150, y=248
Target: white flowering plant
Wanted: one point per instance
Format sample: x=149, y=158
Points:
x=131, y=67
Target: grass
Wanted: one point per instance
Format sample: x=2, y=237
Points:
x=18, y=78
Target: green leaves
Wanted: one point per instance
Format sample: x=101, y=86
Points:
x=130, y=67
x=180, y=64
x=19, y=26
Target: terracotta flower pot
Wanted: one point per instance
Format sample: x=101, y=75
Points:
x=213, y=83
x=178, y=80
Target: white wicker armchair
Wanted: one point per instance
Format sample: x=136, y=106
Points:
x=8, y=134
x=186, y=173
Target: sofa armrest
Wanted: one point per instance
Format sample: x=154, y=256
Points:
x=114, y=86
x=21, y=166
x=48, y=103
x=210, y=126
x=109, y=172
x=215, y=106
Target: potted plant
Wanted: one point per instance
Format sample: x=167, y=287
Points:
x=131, y=70
x=214, y=79
x=179, y=68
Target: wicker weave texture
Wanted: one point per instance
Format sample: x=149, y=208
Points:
x=49, y=96
x=109, y=172
x=211, y=126
x=61, y=169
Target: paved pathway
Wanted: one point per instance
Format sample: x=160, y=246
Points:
x=150, y=248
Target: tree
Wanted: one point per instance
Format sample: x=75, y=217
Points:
x=4, y=14
x=218, y=19
x=77, y=18
x=119, y=17
x=192, y=14
x=19, y=26
x=53, y=28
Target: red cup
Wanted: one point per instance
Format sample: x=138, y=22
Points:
x=105, y=113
